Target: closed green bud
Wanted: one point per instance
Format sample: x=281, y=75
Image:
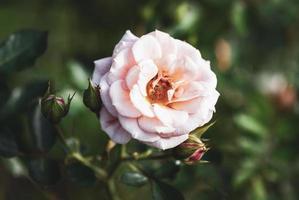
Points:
x=54, y=108
x=92, y=98
x=190, y=150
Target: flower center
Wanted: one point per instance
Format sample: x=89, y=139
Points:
x=157, y=89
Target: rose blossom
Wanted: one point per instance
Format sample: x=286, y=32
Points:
x=155, y=89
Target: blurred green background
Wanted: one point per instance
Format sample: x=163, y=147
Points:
x=253, y=46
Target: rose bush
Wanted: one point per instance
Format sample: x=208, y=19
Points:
x=155, y=89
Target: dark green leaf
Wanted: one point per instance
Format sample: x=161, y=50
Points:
x=4, y=93
x=164, y=191
x=44, y=171
x=167, y=170
x=81, y=174
x=22, y=97
x=8, y=145
x=134, y=179
x=21, y=49
x=39, y=135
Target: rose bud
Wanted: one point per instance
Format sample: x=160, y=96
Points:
x=92, y=98
x=191, y=150
x=54, y=108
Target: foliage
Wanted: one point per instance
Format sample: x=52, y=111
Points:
x=253, y=145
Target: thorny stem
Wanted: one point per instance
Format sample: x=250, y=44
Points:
x=100, y=173
x=136, y=158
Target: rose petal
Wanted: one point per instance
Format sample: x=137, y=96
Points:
x=113, y=128
x=106, y=97
x=121, y=100
x=132, y=76
x=126, y=41
x=196, y=120
x=189, y=91
x=168, y=143
x=185, y=49
x=147, y=47
x=183, y=70
x=140, y=102
x=200, y=104
x=169, y=116
x=121, y=64
x=131, y=125
x=167, y=43
x=154, y=125
x=102, y=66
x=148, y=70
x=207, y=76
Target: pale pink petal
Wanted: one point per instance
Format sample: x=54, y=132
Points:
x=169, y=116
x=132, y=76
x=147, y=47
x=189, y=91
x=168, y=143
x=185, y=49
x=167, y=43
x=126, y=41
x=191, y=106
x=170, y=94
x=131, y=125
x=102, y=66
x=121, y=100
x=140, y=102
x=148, y=70
x=196, y=120
x=200, y=104
x=154, y=125
x=121, y=64
x=183, y=70
x=113, y=128
x=166, y=62
x=207, y=75
x=106, y=97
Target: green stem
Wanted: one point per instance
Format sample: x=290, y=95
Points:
x=112, y=190
x=61, y=135
x=100, y=173
x=134, y=158
x=153, y=157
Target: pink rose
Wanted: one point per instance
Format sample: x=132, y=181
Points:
x=155, y=89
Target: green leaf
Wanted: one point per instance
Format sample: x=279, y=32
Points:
x=77, y=74
x=251, y=124
x=238, y=17
x=167, y=170
x=21, y=49
x=39, y=135
x=201, y=130
x=44, y=172
x=22, y=97
x=164, y=191
x=8, y=145
x=80, y=174
x=4, y=93
x=258, y=189
x=134, y=179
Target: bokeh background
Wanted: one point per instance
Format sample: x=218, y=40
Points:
x=253, y=46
